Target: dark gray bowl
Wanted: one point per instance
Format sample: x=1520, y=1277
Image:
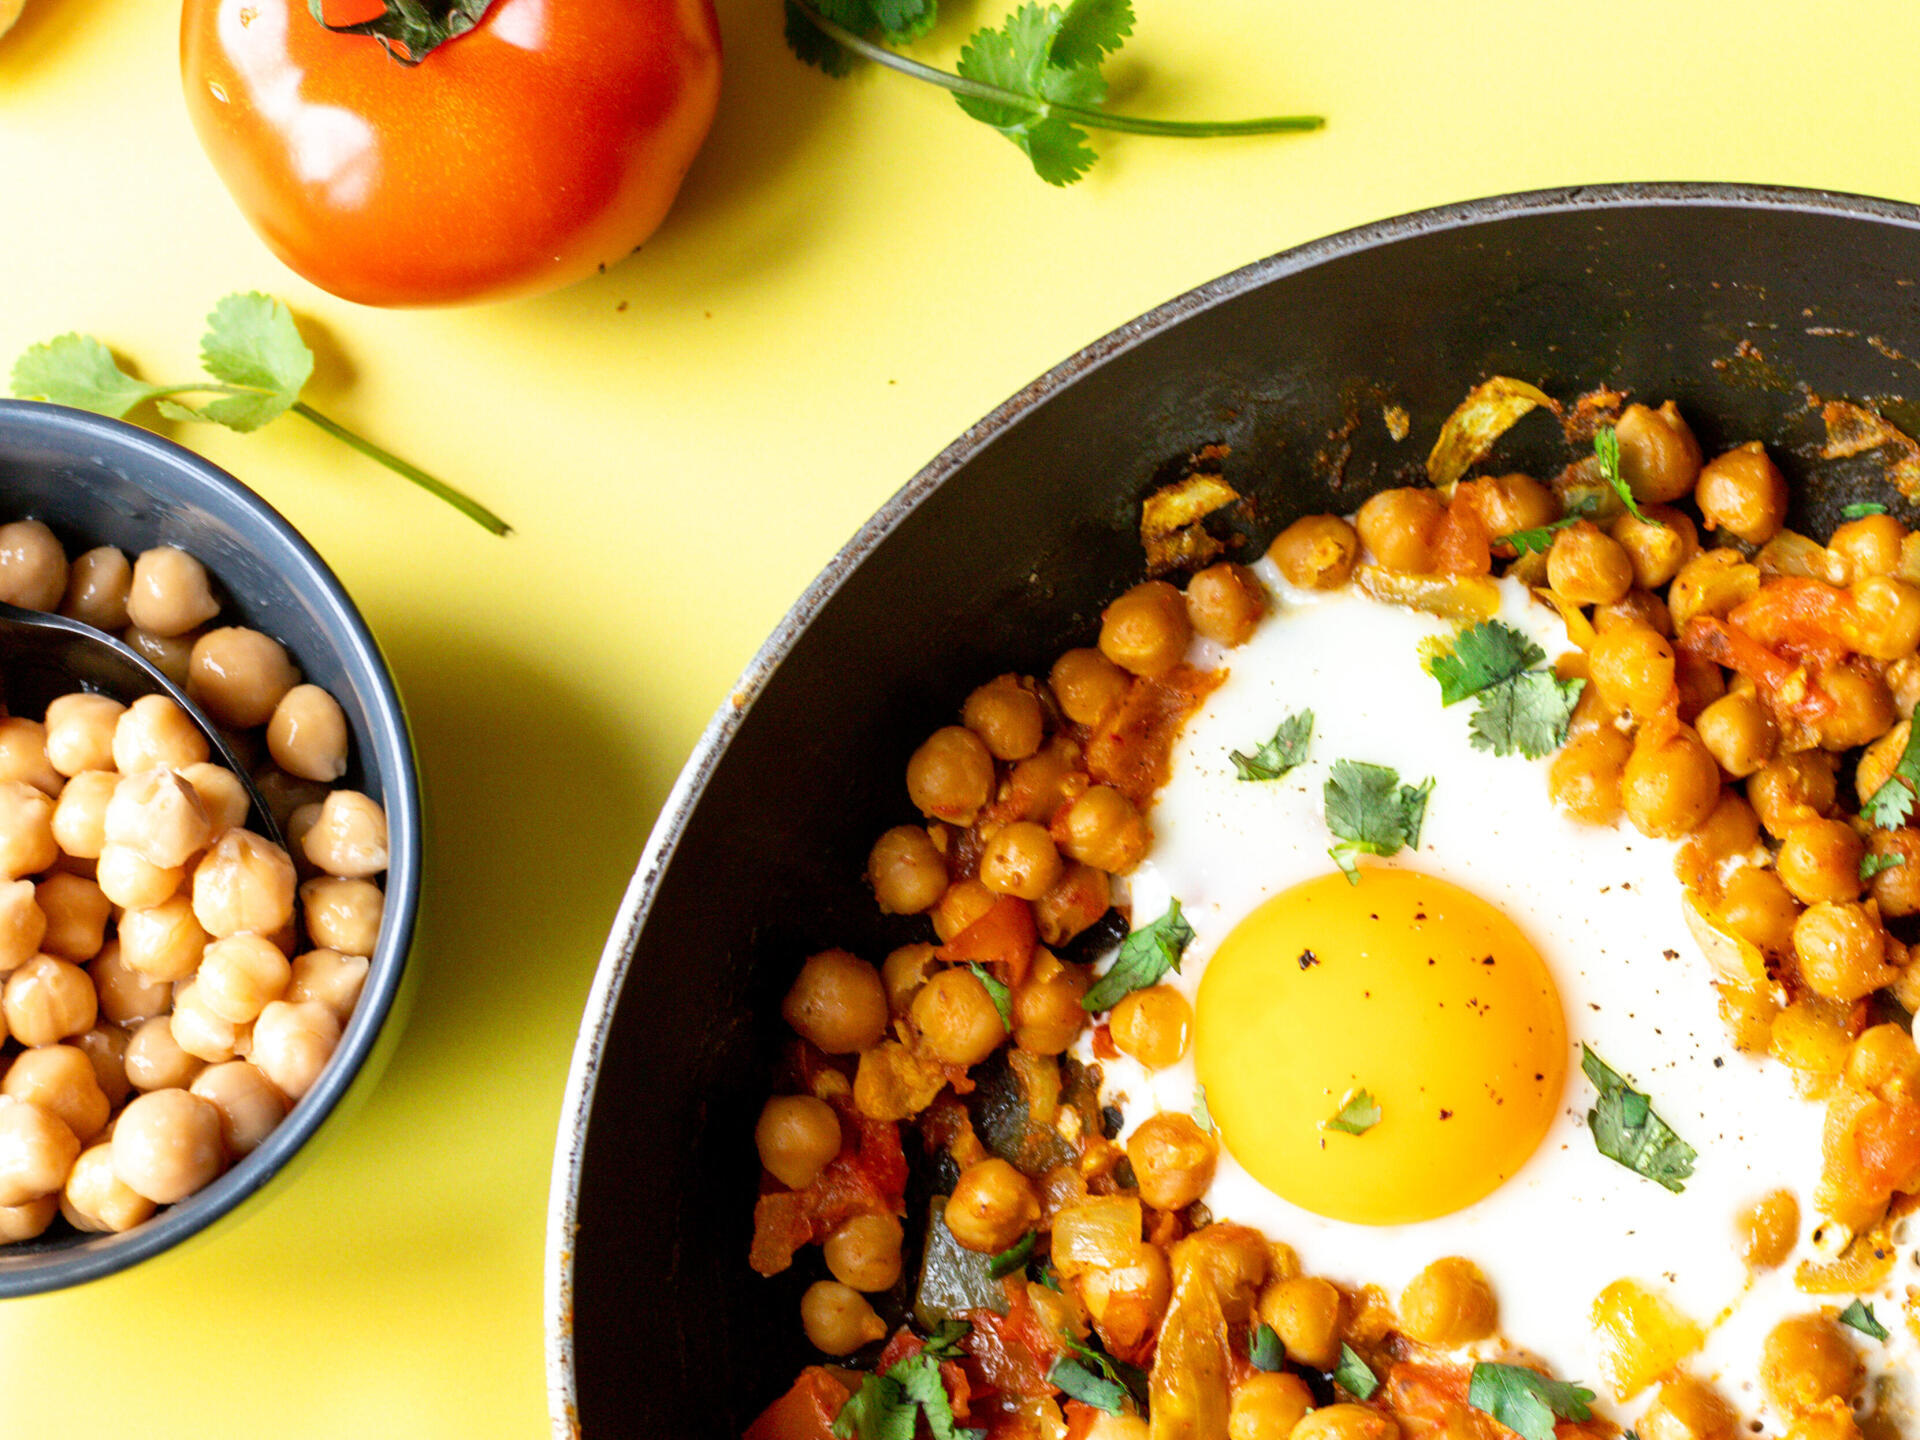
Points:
x=1000, y=553
x=104, y=482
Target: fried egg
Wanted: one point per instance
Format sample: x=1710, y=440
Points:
x=1456, y=985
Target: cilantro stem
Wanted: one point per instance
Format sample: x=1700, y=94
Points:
x=1092, y=119
x=465, y=504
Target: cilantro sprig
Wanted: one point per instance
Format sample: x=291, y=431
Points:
x=1888, y=807
x=259, y=365
x=1519, y=709
x=1093, y=1377
x=1278, y=756
x=1354, y=1375
x=1626, y=1130
x=1371, y=813
x=1359, y=1112
x=1859, y=1316
x=1872, y=865
x=1145, y=956
x=1264, y=1350
x=1606, y=449
x=997, y=990
x=1540, y=538
x=1036, y=79
x=888, y=1407
x=1525, y=1401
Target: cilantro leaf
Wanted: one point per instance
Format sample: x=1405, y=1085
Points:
x=1091, y=30
x=1021, y=57
x=1529, y=714
x=1130, y=1378
x=1202, y=1113
x=919, y=1379
x=1371, y=812
x=1354, y=1375
x=1606, y=447
x=878, y=1410
x=1359, y=1112
x=1489, y=654
x=944, y=1342
x=1859, y=1316
x=887, y=1407
x=1265, y=1350
x=1144, y=957
x=1537, y=540
x=1079, y=1383
x=1872, y=865
x=898, y=20
x=78, y=370
x=1888, y=807
x=997, y=991
x=1626, y=1130
x=1280, y=754
x=252, y=342
x=1525, y=1401
x=1013, y=1258
x=1860, y=509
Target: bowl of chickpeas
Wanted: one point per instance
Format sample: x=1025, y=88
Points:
x=779, y=910
x=185, y=995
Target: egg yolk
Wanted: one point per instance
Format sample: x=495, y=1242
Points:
x=1408, y=988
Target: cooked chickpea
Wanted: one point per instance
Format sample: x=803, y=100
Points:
x=46, y=1000
x=1870, y=545
x=61, y=1081
x=23, y=925
x=76, y=914
x=222, y=796
x=1884, y=1062
x=1632, y=667
x=95, y=1197
x=797, y=1136
x=292, y=1044
x=29, y=1221
x=1732, y=829
x=836, y=1001
x=1104, y=829
x=307, y=734
x=79, y=822
x=97, y=586
x=154, y=1059
x=1806, y=1363
x=1637, y=608
x=1670, y=783
x=1760, y=909
x=240, y=975
x=864, y=1253
x=166, y=1145
x=1079, y=897
x=965, y=902
x=903, y=972
x=1687, y=1409
x=1886, y=617
x=79, y=732
x=349, y=837
x=992, y=1206
x=1347, y=1422
x=951, y=775
x=330, y=978
x=837, y=1318
x=1146, y=630
x=1896, y=888
x=127, y=995
x=1659, y=458
x=170, y=593
x=1225, y=603
x=1768, y=1229
x=1007, y=716
x=1584, y=777
x=1842, y=952
x=1738, y=732
x=105, y=1047
x=23, y=755
x=169, y=654
x=1173, y=1159
x=1656, y=545
x=1861, y=708
x=1304, y=1312
x=1587, y=566
x=245, y=882
x=1088, y=686
x=1449, y=1303
x=1820, y=860
x=1127, y=1299
x=1399, y=527
x=198, y=1031
x=133, y=883
x=1792, y=788
x=26, y=831
x=1117, y=1427
x=1021, y=860
x=1515, y=502
x=164, y=941
x=1266, y=1406
x=155, y=734
x=1047, y=1014
x=159, y=817
x=1711, y=584
x=33, y=566
x=1743, y=493
x=251, y=1106
x=1316, y=552
x=239, y=676
x=1152, y=1025
x=957, y=1019
x=37, y=1150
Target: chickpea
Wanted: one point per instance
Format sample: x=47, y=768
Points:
x=76, y=916
x=957, y=1019
x=951, y=775
x=1317, y=552
x=1347, y=1422
x=245, y=882
x=23, y=755
x=1173, y=1159
x=23, y=925
x=1687, y=1409
x=1670, y=783
x=133, y=883
x=239, y=976
x=1127, y=1300
x=33, y=566
x=1884, y=1062
x=292, y=1044
x=1514, y=502
x=965, y=902
x=198, y=1031
x=1584, y=778
x=1266, y=1406
x=1152, y=1025
x=239, y=676
x=1658, y=545
x=1006, y=714
x=97, y=586
x=251, y=1106
x=29, y=1221
x=80, y=732
x=1830, y=1422
x=1842, y=952
x=992, y=1206
x=1117, y=1427
x=1659, y=458
x=36, y=1151
x=1088, y=686
x=1146, y=630
x=1711, y=584
x=1759, y=908
x=1047, y=1014
x=156, y=734
x=1738, y=732
x=170, y=593
x=169, y=654
x=127, y=995
x=1632, y=667
x=1820, y=860
x=864, y=1253
x=96, y=1199
x=1886, y=623
x=837, y=1002
x=1806, y=1363
x=1449, y=1303
x=837, y=1318
x=330, y=978
x=79, y=821
x=1104, y=829
x=1079, y=897
x=349, y=838
x=105, y=1047
x=154, y=1059
x=1896, y=889
x=307, y=734
x=1862, y=708
x=1641, y=609
x=26, y=831
x=60, y=1080
x=1225, y=603
x=797, y=1136
x=159, y=817
x=222, y=796
x=162, y=942
x=1304, y=1312
x=1020, y=860
x=1792, y=788
x=46, y=1000
x=903, y=972
x=1743, y=493
x=1587, y=566
x=1399, y=528
x=1869, y=545
x=167, y=1145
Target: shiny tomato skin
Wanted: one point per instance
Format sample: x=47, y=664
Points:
x=538, y=148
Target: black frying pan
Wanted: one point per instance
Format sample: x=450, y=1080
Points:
x=1739, y=303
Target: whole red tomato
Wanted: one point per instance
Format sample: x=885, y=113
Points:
x=540, y=146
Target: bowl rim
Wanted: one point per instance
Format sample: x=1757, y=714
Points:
x=136, y=452
x=684, y=797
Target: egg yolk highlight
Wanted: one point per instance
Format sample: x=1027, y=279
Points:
x=1404, y=986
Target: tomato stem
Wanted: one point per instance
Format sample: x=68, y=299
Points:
x=465, y=504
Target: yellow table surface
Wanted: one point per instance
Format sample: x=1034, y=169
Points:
x=853, y=275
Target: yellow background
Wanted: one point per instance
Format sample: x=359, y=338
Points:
x=853, y=275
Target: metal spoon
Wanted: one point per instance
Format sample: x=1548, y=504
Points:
x=93, y=660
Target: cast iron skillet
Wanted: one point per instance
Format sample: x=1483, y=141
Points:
x=1734, y=301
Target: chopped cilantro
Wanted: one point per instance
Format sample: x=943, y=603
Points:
x=1626, y=1130
x=1872, y=865
x=1486, y=655
x=886, y=1407
x=1525, y=1401
x=1359, y=1112
x=1354, y=1375
x=1606, y=447
x=997, y=991
x=1013, y=1258
x=1079, y=1383
x=878, y=1410
x=1536, y=540
x=1043, y=1275
x=1520, y=709
x=1144, y=957
x=1371, y=812
x=1889, y=806
x=1265, y=1350
x=1860, y=509
x=1202, y=1115
x=1130, y=1378
x=944, y=1343
x=1280, y=754
x=1859, y=1315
